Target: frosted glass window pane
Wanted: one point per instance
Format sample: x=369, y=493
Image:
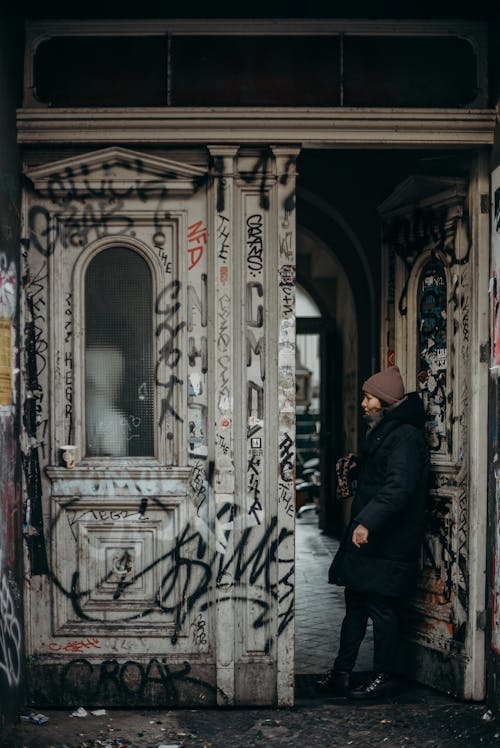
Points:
x=118, y=355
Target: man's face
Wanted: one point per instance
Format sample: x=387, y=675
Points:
x=370, y=404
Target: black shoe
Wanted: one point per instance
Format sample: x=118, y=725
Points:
x=381, y=684
x=335, y=683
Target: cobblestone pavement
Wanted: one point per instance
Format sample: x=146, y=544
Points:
x=416, y=718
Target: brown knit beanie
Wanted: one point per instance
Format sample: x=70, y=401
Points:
x=387, y=385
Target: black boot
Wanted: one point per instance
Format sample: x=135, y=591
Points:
x=335, y=683
x=380, y=684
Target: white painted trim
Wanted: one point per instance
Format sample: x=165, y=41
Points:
x=78, y=279
x=175, y=176
x=221, y=230
x=310, y=127
x=475, y=682
x=283, y=343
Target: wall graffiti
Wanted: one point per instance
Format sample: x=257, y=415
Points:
x=255, y=356
x=169, y=353
x=8, y=301
x=35, y=420
x=442, y=235
x=255, y=243
x=287, y=473
x=223, y=227
x=287, y=286
x=188, y=560
x=495, y=321
x=433, y=352
x=197, y=317
x=8, y=286
x=494, y=289
x=198, y=484
x=10, y=633
x=223, y=357
x=224, y=468
x=126, y=682
x=197, y=241
x=462, y=315
x=78, y=645
x=68, y=367
x=495, y=571
x=253, y=484
x=428, y=229
x=208, y=550
x=11, y=643
x=494, y=435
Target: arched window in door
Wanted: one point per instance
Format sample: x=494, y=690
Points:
x=119, y=411
x=432, y=351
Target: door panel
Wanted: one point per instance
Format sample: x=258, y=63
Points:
x=430, y=242
x=160, y=569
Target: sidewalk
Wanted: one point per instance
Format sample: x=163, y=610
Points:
x=317, y=724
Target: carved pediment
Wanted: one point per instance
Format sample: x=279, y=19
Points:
x=424, y=191
x=114, y=171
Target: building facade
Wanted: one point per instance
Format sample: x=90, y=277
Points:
x=176, y=180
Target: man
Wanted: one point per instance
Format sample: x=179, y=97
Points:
x=378, y=554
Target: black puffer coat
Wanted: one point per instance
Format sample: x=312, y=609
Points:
x=389, y=501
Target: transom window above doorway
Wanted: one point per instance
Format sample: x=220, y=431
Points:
x=282, y=63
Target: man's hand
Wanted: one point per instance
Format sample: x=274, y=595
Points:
x=360, y=535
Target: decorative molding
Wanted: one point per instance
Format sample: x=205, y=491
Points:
x=89, y=172
x=87, y=533
x=84, y=478
x=423, y=191
x=321, y=127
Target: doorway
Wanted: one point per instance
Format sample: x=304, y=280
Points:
x=370, y=225
x=324, y=404
x=369, y=312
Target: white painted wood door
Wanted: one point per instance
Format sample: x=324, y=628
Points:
x=435, y=241
x=161, y=577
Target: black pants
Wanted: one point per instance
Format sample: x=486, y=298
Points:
x=384, y=613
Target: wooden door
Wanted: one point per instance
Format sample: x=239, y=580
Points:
x=433, y=315
x=158, y=316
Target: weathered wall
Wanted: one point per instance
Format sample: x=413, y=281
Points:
x=10, y=512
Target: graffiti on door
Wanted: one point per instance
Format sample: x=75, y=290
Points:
x=140, y=558
x=432, y=351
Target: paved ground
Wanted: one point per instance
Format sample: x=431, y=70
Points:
x=319, y=606
x=324, y=723
x=415, y=718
